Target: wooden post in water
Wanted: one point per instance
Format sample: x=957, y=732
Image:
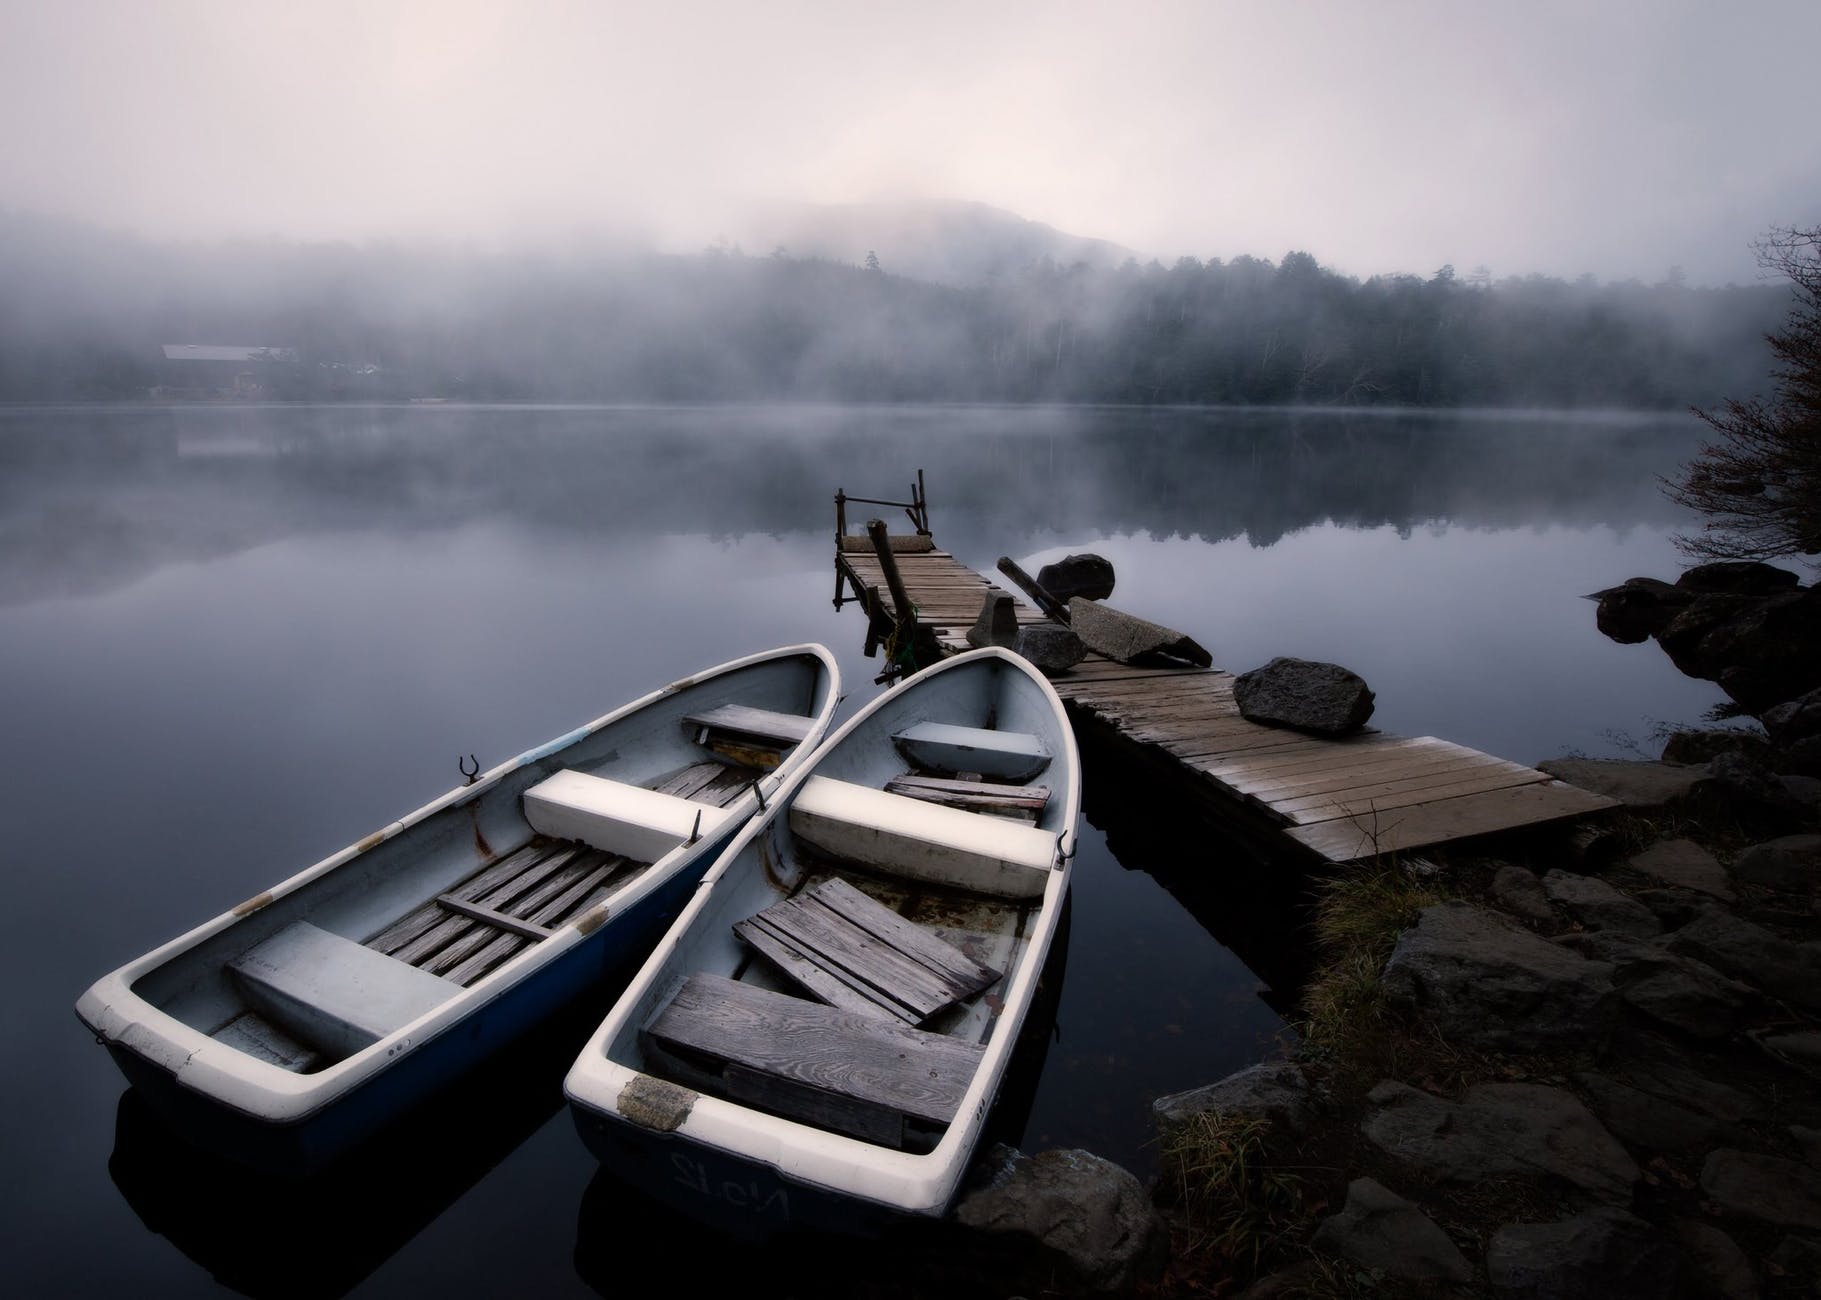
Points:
x=1051, y=607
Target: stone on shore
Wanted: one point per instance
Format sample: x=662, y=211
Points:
x=1380, y=1230
x=1792, y=862
x=1086, y=575
x=1794, y=720
x=1689, y=747
x=1485, y=982
x=1597, y=905
x=998, y=621
x=1602, y=1254
x=1277, y=1091
x=1499, y=1129
x=1050, y=646
x=1069, y=1220
x=1127, y=638
x=1737, y=947
x=1718, y=1259
x=1741, y=577
x=1746, y=785
x=1764, y=1188
x=1638, y=608
x=1685, y=864
x=1517, y=890
x=1321, y=698
x=1799, y=1049
x=1640, y=786
x=1653, y=1123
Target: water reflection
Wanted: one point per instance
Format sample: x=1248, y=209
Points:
x=90, y=499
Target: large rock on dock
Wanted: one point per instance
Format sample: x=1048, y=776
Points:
x=1321, y=698
x=1486, y=982
x=1051, y=646
x=1602, y=1254
x=1126, y=638
x=1498, y=1130
x=998, y=621
x=1067, y=1221
x=1086, y=575
x=1380, y=1230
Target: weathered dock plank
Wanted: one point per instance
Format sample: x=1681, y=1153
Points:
x=1338, y=798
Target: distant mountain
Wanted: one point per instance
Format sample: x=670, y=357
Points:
x=946, y=242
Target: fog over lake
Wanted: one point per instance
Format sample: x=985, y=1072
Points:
x=237, y=638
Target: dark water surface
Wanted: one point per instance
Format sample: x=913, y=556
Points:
x=234, y=639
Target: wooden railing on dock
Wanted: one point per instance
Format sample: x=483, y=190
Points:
x=1338, y=799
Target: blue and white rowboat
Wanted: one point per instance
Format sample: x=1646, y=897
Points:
x=286, y=1030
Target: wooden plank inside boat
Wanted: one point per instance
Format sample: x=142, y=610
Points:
x=865, y=1059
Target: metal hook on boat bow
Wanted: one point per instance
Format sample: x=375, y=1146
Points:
x=470, y=772
x=759, y=792
x=1063, y=853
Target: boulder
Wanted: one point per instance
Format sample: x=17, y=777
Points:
x=1486, y=982
x=998, y=621
x=1379, y=1230
x=1795, y=719
x=1749, y=788
x=1792, y=862
x=1602, y=1254
x=1068, y=1220
x=1277, y=1091
x=1086, y=575
x=1740, y=577
x=1325, y=699
x=1808, y=1141
x=1689, y=747
x=1640, y=786
x=1050, y=646
x=1638, y=608
x=1766, y=1189
x=1749, y=952
x=1674, y=990
x=1796, y=1257
x=1685, y=864
x=1653, y=1123
x=1801, y=757
x=1517, y=890
x=1127, y=638
x=1718, y=1260
x=1597, y=905
x=1800, y=1049
x=1497, y=1130
x=1652, y=1063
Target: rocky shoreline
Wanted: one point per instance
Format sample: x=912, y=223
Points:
x=1588, y=1066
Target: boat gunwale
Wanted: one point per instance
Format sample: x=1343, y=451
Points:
x=899, y=1181
x=121, y=1018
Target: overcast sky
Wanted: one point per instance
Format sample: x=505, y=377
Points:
x=1618, y=138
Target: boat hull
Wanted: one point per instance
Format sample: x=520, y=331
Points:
x=303, y=1147
x=155, y=1015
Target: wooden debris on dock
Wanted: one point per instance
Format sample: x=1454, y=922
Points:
x=860, y=955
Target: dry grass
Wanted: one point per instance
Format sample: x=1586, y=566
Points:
x=1236, y=1201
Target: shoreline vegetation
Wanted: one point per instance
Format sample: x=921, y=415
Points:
x=94, y=312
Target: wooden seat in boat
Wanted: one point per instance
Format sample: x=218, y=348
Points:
x=1025, y=802
x=616, y=817
x=859, y=1074
x=940, y=747
x=760, y=724
x=332, y=992
x=922, y=841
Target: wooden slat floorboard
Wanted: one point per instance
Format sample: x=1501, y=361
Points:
x=1316, y=790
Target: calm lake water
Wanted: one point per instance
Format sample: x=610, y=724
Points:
x=234, y=639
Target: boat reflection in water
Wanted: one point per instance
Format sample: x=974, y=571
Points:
x=913, y=1257
x=269, y=1236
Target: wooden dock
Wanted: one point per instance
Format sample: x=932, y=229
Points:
x=1339, y=800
